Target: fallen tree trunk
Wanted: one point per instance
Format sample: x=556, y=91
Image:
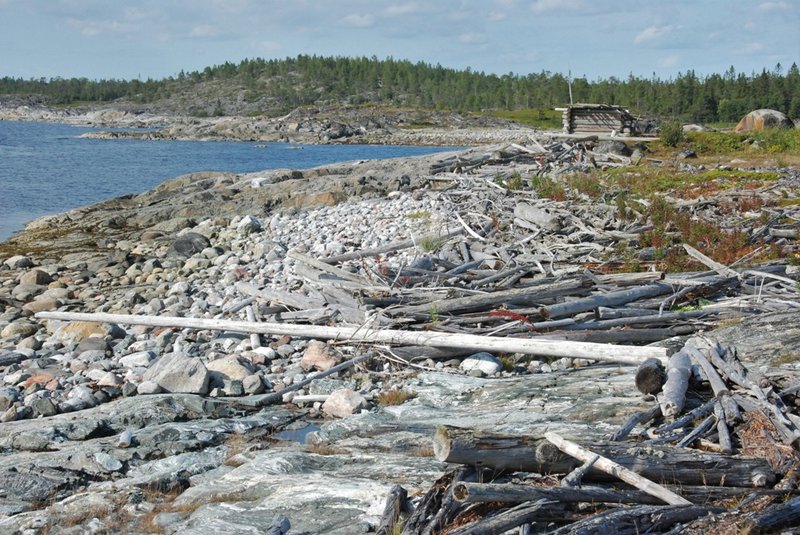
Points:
x=552, y=348
x=664, y=465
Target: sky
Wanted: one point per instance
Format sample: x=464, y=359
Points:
x=126, y=39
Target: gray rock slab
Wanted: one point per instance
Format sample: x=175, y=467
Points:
x=177, y=373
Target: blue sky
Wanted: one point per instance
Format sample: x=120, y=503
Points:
x=596, y=38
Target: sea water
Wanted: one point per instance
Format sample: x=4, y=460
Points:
x=48, y=168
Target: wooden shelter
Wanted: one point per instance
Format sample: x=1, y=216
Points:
x=597, y=119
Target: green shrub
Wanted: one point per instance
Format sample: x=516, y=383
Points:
x=671, y=133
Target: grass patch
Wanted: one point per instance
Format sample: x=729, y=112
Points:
x=772, y=141
x=430, y=245
x=547, y=188
x=394, y=397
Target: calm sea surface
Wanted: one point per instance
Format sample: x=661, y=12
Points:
x=46, y=168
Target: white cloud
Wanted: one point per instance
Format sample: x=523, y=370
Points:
x=92, y=28
x=497, y=16
x=774, y=6
x=669, y=62
x=751, y=48
x=359, y=21
x=652, y=33
x=396, y=10
x=553, y=6
x=472, y=38
x=204, y=30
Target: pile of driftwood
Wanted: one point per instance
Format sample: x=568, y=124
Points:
x=680, y=470
x=556, y=155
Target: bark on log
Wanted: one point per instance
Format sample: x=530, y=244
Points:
x=502, y=522
x=615, y=469
x=470, y=492
x=665, y=465
x=395, y=502
x=635, y=520
x=531, y=346
x=512, y=493
x=776, y=517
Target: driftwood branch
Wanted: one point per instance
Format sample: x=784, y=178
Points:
x=617, y=470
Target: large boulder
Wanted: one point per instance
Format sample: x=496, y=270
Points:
x=758, y=120
x=178, y=373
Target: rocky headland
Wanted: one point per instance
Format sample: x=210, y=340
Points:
x=124, y=428
x=340, y=124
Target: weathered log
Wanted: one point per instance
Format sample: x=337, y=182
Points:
x=731, y=411
x=633, y=421
x=617, y=298
x=673, y=394
x=778, y=516
x=698, y=431
x=635, y=520
x=437, y=497
x=613, y=468
x=471, y=492
x=395, y=501
x=466, y=492
x=530, y=346
x=665, y=465
x=502, y=522
x=687, y=418
x=725, y=441
x=516, y=296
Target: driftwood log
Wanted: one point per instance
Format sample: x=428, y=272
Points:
x=664, y=465
x=531, y=346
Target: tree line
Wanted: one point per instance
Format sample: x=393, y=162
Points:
x=279, y=85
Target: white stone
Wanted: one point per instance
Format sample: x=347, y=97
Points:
x=485, y=362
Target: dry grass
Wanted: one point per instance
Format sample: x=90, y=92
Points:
x=394, y=397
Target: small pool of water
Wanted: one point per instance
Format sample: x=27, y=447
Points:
x=296, y=434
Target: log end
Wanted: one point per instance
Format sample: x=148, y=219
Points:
x=442, y=443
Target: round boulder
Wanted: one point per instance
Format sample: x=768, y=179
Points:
x=759, y=120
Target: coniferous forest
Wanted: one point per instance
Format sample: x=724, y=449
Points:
x=279, y=85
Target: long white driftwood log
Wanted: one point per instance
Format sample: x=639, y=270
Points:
x=617, y=470
x=633, y=355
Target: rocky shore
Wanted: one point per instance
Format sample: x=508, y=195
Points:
x=352, y=125
x=119, y=428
